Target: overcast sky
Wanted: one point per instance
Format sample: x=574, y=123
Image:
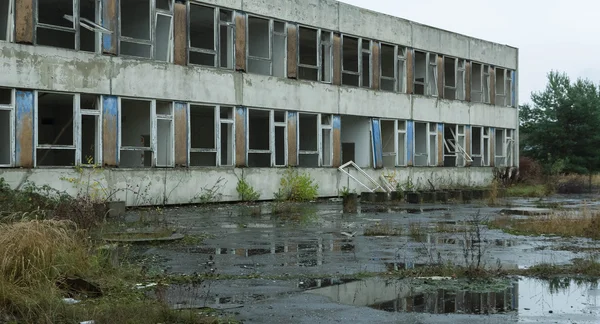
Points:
x=550, y=34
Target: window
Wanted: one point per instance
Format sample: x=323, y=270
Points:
x=425, y=144
x=504, y=144
x=351, y=57
x=455, y=154
x=211, y=136
x=454, y=78
x=267, y=138
x=90, y=130
x=425, y=74
x=7, y=130
x=314, y=54
x=72, y=24
x=480, y=146
x=165, y=134
x=136, y=124
x=280, y=141
x=393, y=138
x=211, y=36
x=163, y=36
x=393, y=68
x=308, y=140
x=6, y=20
x=504, y=84
x=326, y=147
x=267, y=46
x=480, y=80
x=56, y=131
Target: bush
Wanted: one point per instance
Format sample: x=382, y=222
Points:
x=246, y=192
x=297, y=187
x=530, y=171
x=572, y=185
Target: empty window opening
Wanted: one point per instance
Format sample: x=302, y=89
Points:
x=259, y=138
x=279, y=49
x=326, y=56
x=226, y=39
x=165, y=153
x=425, y=144
x=500, y=148
x=356, y=140
x=388, y=140
x=259, y=46
x=136, y=148
x=6, y=20
x=136, y=35
x=164, y=4
x=203, y=146
x=308, y=67
x=480, y=78
x=280, y=141
x=308, y=140
x=432, y=75
x=365, y=62
x=55, y=130
x=503, y=87
x=52, y=28
x=401, y=78
x=326, y=140
x=350, y=61
x=450, y=67
x=202, y=29
x=433, y=147
x=401, y=150
x=420, y=72
x=480, y=146
x=164, y=38
x=91, y=129
x=6, y=126
x=89, y=40
x=455, y=154
x=388, y=68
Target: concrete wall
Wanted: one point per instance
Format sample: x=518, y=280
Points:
x=46, y=68
x=139, y=187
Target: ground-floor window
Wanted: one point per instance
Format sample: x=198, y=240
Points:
x=504, y=147
x=455, y=154
x=7, y=122
x=480, y=146
x=212, y=135
x=393, y=139
x=267, y=138
x=426, y=144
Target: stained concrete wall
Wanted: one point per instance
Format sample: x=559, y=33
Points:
x=143, y=187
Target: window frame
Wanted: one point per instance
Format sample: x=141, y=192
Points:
x=12, y=124
x=218, y=122
x=217, y=23
x=272, y=34
x=320, y=45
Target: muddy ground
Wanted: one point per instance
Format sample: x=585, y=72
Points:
x=312, y=264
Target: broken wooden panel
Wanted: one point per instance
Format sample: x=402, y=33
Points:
x=376, y=65
x=492, y=88
x=24, y=129
x=292, y=125
x=468, y=143
x=110, y=22
x=24, y=21
x=337, y=142
x=468, y=81
x=180, y=35
x=240, y=43
x=410, y=142
x=240, y=136
x=337, y=59
x=440, y=143
x=181, y=133
x=410, y=73
x=440, y=79
x=292, y=51
x=110, y=132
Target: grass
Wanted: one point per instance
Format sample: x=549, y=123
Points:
x=566, y=223
x=37, y=255
x=529, y=191
x=383, y=230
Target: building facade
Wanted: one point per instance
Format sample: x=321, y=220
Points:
x=183, y=97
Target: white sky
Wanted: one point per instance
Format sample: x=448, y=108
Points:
x=562, y=35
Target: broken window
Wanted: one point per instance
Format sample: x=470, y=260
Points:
x=356, y=140
x=6, y=20
x=504, y=144
x=136, y=28
x=480, y=146
x=455, y=154
x=211, y=36
x=165, y=134
x=72, y=24
x=6, y=127
x=259, y=138
x=280, y=140
x=425, y=74
x=351, y=61
x=308, y=140
x=503, y=87
x=56, y=131
x=314, y=54
x=480, y=80
x=211, y=136
x=388, y=67
x=388, y=143
x=365, y=77
x=326, y=140
x=163, y=27
x=425, y=144
x=135, y=129
x=454, y=78
x=90, y=130
x=267, y=46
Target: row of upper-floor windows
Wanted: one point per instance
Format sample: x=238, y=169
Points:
x=269, y=47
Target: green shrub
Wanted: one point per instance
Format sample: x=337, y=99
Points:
x=246, y=192
x=297, y=187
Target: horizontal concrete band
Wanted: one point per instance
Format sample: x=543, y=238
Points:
x=143, y=187
x=53, y=69
x=337, y=16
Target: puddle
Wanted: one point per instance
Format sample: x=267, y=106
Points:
x=529, y=299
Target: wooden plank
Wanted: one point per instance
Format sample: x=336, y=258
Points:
x=292, y=126
x=410, y=71
x=292, y=51
x=240, y=137
x=440, y=143
x=440, y=73
x=376, y=66
x=181, y=134
x=110, y=22
x=24, y=21
x=110, y=131
x=180, y=34
x=24, y=129
x=337, y=141
x=337, y=59
x=240, y=42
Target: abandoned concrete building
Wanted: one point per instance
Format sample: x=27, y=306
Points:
x=179, y=96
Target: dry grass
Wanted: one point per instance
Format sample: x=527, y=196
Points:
x=567, y=223
x=383, y=230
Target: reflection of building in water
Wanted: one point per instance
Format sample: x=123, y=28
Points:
x=403, y=296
